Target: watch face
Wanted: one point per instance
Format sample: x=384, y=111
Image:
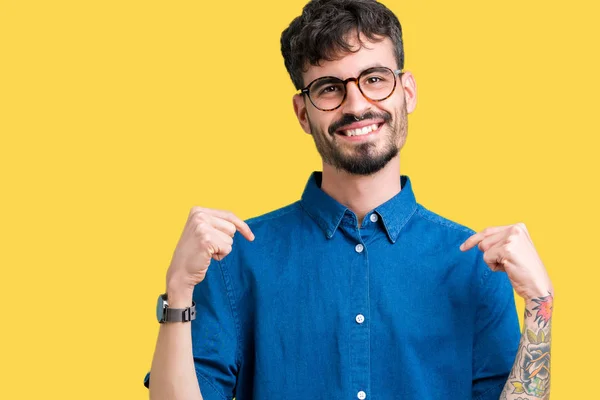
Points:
x=160, y=309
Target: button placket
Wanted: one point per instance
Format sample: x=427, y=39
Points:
x=360, y=334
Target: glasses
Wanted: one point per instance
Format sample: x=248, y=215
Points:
x=328, y=92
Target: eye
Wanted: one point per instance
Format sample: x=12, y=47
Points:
x=373, y=79
x=376, y=77
x=329, y=89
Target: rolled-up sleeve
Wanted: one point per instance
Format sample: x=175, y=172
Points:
x=215, y=335
x=497, y=333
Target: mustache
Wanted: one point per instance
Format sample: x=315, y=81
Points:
x=348, y=119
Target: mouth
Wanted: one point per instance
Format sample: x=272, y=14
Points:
x=361, y=132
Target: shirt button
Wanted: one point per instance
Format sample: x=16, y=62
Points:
x=359, y=248
x=360, y=318
x=374, y=217
x=361, y=395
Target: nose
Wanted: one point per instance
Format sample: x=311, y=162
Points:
x=355, y=103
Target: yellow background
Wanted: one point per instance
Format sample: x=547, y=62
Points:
x=116, y=117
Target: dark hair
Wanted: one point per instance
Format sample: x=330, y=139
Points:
x=320, y=33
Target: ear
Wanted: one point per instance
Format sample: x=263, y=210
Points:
x=410, y=90
x=301, y=112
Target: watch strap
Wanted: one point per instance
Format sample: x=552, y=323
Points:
x=180, y=314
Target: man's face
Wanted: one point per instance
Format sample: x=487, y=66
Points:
x=359, y=154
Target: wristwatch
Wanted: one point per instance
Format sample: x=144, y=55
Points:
x=166, y=314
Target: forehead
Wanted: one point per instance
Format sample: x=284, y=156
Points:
x=372, y=53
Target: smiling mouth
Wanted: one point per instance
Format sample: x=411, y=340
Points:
x=365, y=130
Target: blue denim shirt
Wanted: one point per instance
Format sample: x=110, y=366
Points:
x=317, y=307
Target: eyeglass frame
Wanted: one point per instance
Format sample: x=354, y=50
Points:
x=396, y=73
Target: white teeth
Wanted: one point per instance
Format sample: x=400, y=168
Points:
x=361, y=131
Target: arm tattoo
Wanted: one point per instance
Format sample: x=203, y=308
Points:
x=529, y=378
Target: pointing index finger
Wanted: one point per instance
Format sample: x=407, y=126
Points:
x=479, y=236
x=241, y=226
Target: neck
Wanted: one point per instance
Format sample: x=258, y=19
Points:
x=361, y=193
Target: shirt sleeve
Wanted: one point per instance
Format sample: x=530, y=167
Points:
x=497, y=333
x=214, y=335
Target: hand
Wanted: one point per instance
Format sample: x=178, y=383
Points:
x=510, y=249
x=207, y=234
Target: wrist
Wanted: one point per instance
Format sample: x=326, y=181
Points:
x=538, y=311
x=539, y=293
x=178, y=295
x=179, y=300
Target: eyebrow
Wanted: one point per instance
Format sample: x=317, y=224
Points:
x=377, y=65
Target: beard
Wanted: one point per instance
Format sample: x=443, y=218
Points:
x=362, y=158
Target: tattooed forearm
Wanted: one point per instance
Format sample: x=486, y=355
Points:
x=530, y=374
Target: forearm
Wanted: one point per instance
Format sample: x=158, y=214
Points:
x=173, y=375
x=529, y=378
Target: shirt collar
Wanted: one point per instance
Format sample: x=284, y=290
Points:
x=328, y=212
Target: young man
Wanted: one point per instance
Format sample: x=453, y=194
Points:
x=356, y=290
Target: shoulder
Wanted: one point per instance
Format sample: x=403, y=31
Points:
x=274, y=217
x=436, y=221
x=270, y=229
x=447, y=235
